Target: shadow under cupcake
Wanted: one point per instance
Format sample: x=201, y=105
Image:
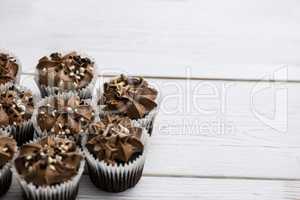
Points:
x=115, y=151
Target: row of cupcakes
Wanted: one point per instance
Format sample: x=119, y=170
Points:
x=111, y=128
x=72, y=72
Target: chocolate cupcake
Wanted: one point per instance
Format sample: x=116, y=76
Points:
x=9, y=68
x=66, y=116
x=115, y=153
x=63, y=73
x=49, y=168
x=16, y=109
x=8, y=148
x=132, y=97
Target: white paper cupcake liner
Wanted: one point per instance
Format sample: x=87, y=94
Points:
x=116, y=178
x=148, y=121
x=83, y=93
x=5, y=178
x=64, y=191
x=38, y=131
x=18, y=75
x=23, y=132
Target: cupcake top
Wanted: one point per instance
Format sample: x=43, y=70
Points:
x=16, y=106
x=70, y=71
x=8, y=68
x=65, y=117
x=8, y=148
x=49, y=161
x=114, y=139
x=130, y=96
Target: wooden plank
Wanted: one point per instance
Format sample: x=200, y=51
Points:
x=223, y=134
x=188, y=188
x=247, y=130
x=233, y=40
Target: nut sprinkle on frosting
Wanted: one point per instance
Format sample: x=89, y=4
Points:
x=49, y=161
x=114, y=139
x=130, y=96
x=70, y=71
x=65, y=117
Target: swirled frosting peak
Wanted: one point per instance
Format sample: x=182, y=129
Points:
x=114, y=139
x=65, y=117
x=8, y=68
x=70, y=71
x=49, y=161
x=131, y=96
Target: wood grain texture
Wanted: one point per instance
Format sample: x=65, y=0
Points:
x=224, y=129
x=213, y=39
x=166, y=188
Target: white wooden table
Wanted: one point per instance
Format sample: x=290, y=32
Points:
x=228, y=74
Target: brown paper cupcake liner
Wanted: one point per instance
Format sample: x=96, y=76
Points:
x=23, y=132
x=116, y=178
x=63, y=191
x=83, y=93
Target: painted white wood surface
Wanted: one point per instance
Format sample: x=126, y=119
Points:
x=168, y=188
x=219, y=134
x=240, y=138
x=216, y=39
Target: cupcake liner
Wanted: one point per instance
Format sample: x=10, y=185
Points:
x=63, y=191
x=148, y=121
x=5, y=178
x=119, y=177
x=38, y=131
x=18, y=75
x=83, y=93
x=23, y=132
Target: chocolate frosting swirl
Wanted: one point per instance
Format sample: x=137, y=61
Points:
x=131, y=96
x=65, y=117
x=8, y=148
x=48, y=162
x=8, y=68
x=114, y=139
x=70, y=71
x=16, y=106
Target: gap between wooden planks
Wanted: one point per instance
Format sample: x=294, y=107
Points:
x=198, y=78
x=187, y=188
